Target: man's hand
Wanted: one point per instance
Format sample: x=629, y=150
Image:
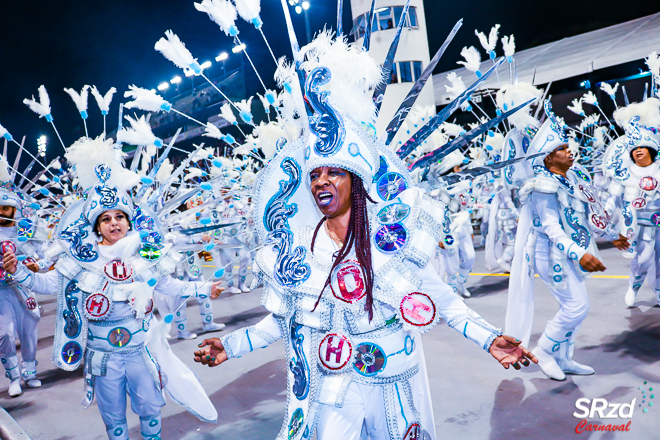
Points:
x=621, y=243
x=10, y=262
x=591, y=263
x=212, y=353
x=216, y=290
x=508, y=351
x=442, y=246
x=206, y=238
x=34, y=267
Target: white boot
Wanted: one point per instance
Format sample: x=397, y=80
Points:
x=29, y=374
x=185, y=334
x=243, y=287
x=630, y=296
x=568, y=365
x=13, y=373
x=548, y=351
x=462, y=279
x=506, y=267
x=233, y=289
x=213, y=327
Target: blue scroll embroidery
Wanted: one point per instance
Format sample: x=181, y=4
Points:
x=446, y=224
x=581, y=235
x=75, y=233
x=108, y=195
x=627, y=214
x=508, y=171
x=326, y=123
x=278, y=212
x=298, y=364
x=615, y=163
x=72, y=320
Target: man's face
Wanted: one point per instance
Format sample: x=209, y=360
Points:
x=7, y=212
x=561, y=158
x=331, y=188
x=642, y=157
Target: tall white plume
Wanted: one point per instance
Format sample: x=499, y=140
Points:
x=513, y=95
x=222, y=12
x=248, y=9
x=139, y=134
x=457, y=85
x=590, y=98
x=576, y=107
x=607, y=88
x=41, y=107
x=227, y=114
x=489, y=43
x=174, y=50
x=144, y=99
x=79, y=99
x=165, y=170
x=245, y=104
x=472, y=59
x=264, y=102
x=212, y=131
x=599, y=137
x=653, y=61
x=509, y=46
x=103, y=101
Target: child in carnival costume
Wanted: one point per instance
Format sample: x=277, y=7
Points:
x=111, y=258
x=346, y=278
x=632, y=166
x=23, y=233
x=555, y=239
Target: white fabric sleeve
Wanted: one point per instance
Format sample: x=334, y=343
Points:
x=248, y=339
x=508, y=202
x=42, y=283
x=173, y=287
x=451, y=307
x=547, y=208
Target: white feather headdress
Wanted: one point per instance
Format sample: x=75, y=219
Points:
x=648, y=112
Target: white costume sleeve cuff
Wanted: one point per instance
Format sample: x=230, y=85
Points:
x=248, y=339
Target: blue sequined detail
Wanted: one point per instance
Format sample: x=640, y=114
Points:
x=557, y=279
x=108, y=195
x=298, y=364
x=581, y=235
x=560, y=246
x=73, y=323
x=627, y=214
x=557, y=268
x=290, y=269
x=75, y=233
x=325, y=123
x=382, y=169
x=278, y=212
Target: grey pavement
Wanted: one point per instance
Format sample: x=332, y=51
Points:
x=473, y=396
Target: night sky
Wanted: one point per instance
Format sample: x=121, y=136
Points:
x=75, y=42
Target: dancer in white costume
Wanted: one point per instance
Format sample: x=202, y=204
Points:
x=110, y=260
x=19, y=310
x=634, y=175
x=346, y=279
x=555, y=239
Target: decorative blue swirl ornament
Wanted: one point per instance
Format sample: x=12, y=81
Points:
x=627, y=214
x=557, y=125
x=73, y=323
x=298, y=364
x=633, y=133
x=508, y=171
x=108, y=195
x=75, y=233
x=290, y=269
x=326, y=123
x=581, y=235
x=382, y=169
x=278, y=212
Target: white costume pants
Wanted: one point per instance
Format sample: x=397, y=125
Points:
x=15, y=320
x=168, y=304
x=647, y=253
x=227, y=256
x=127, y=373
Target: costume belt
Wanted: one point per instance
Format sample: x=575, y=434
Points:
x=120, y=335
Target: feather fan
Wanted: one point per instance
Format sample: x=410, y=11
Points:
x=590, y=98
x=210, y=130
x=146, y=100
x=607, y=88
x=576, y=107
x=509, y=46
x=41, y=107
x=248, y=9
x=79, y=99
x=103, y=101
x=227, y=114
x=489, y=43
x=3, y=131
x=174, y=50
x=513, y=95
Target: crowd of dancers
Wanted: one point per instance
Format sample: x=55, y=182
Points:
x=362, y=240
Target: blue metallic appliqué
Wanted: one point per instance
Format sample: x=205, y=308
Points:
x=508, y=171
x=73, y=323
x=627, y=214
x=382, y=169
x=108, y=195
x=446, y=223
x=326, y=123
x=75, y=233
x=290, y=270
x=581, y=235
x=298, y=364
x=615, y=163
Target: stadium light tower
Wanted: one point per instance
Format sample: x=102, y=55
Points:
x=41, y=145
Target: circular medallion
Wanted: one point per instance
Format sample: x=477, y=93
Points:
x=588, y=194
x=71, y=352
x=417, y=309
x=31, y=303
x=347, y=282
x=655, y=219
x=409, y=345
x=449, y=240
x=648, y=183
x=391, y=185
x=599, y=221
x=639, y=203
x=119, y=337
x=297, y=420
x=150, y=253
x=117, y=270
x=8, y=246
x=335, y=351
x=194, y=270
x=630, y=233
x=394, y=213
x=369, y=359
x=391, y=238
x=97, y=305
x=414, y=432
x=462, y=200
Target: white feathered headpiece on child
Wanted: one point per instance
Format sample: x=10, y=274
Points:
x=86, y=154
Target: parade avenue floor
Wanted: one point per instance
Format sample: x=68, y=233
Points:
x=473, y=396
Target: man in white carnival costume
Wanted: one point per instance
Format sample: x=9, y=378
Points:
x=555, y=240
x=634, y=172
x=111, y=259
x=19, y=310
x=347, y=280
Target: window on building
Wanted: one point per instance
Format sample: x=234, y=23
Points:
x=417, y=69
x=412, y=17
x=405, y=71
x=384, y=18
x=406, y=74
x=394, y=74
